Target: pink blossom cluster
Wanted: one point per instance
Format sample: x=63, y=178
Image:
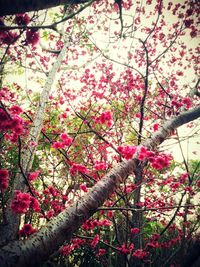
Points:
x=66, y=141
x=94, y=241
x=54, y=201
x=76, y=167
x=84, y=188
x=27, y=230
x=170, y=243
x=135, y=230
x=6, y=95
x=178, y=103
x=101, y=252
x=3, y=179
x=105, y=118
x=99, y=166
x=11, y=123
x=158, y=161
x=8, y=37
x=22, y=202
x=152, y=244
x=33, y=176
x=126, y=249
x=127, y=152
x=22, y=19
x=140, y=253
x=128, y=188
x=75, y=244
x=91, y=224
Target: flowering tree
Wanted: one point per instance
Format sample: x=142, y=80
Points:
x=84, y=179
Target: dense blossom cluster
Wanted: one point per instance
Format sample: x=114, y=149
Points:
x=11, y=124
x=27, y=230
x=140, y=253
x=66, y=141
x=100, y=166
x=32, y=37
x=127, y=152
x=33, y=176
x=3, y=179
x=105, y=118
x=75, y=244
x=22, y=19
x=22, y=202
x=126, y=249
x=9, y=37
x=76, y=167
x=91, y=224
x=83, y=187
x=158, y=161
x=95, y=241
x=178, y=103
x=135, y=230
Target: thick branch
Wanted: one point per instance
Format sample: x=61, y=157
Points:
x=41, y=245
x=11, y=7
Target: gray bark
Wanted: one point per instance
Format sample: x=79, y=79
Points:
x=11, y=7
x=36, y=250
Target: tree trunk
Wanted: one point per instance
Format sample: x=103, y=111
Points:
x=36, y=250
x=10, y=227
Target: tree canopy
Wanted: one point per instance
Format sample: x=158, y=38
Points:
x=99, y=113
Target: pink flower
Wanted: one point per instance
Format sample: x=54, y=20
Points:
x=100, y=166
x=187, y=102
x=143, y=153
x=66, y=139
x=66, y=250
x=105, y=223
x=3, y=179
x=95, y=241
x=16, y=110
x=101, y=252
x=21, y=202
x=198, y=183
x=8, y=37
x=140, y=253
x=126, y=249
x=27, y=230
x=83, y=187
x=33, y=175
x=135, y=230
x=105, y=118
x=153, y=244
x=155, y=127
x=32, y=37
x=127, y=152
x=34, y=204
x=78, y=168
x=58, y=145
x=22, y=19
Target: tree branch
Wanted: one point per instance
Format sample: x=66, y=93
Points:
x=11, y=7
